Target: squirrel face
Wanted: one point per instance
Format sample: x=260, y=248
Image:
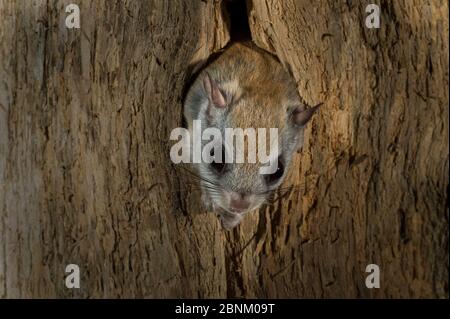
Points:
x=246, y=89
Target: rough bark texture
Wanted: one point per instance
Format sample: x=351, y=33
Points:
x=85, y=174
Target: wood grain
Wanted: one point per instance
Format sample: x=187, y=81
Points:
x=85, y=174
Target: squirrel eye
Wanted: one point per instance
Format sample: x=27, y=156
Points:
x=275, y=177
x=218, y=165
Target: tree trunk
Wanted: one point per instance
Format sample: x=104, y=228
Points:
x=86, y=178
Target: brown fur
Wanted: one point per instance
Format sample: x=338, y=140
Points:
x=261, y=99
x=258, y=93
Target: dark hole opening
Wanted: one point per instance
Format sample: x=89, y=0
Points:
x=236, y=15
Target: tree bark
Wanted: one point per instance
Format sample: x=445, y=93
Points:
x=86, y=178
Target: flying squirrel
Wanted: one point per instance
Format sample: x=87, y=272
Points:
x=245, y=87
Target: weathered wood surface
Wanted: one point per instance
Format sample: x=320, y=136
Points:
x=85, y=174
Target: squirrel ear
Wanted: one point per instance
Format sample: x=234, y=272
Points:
x=215, y=95
x=301, y=117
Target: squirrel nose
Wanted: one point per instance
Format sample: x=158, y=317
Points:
x=239, y=202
